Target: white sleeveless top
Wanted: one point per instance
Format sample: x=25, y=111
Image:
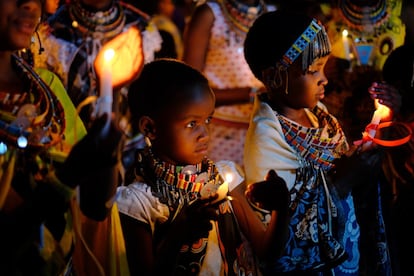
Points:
x=225, y=64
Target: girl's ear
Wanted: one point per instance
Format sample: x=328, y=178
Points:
x=147, y=127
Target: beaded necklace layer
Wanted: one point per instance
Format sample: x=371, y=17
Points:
x=33, y=118
x=320, y=146
x=358, y=17
x=108, y=23
x=241, y=16
x=176, y=185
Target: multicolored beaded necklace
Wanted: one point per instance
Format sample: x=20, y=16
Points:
x=31, y=119
x=358, y=17
x=320, y=146
x=176, y=185
x=108, y=23
x=241, y=16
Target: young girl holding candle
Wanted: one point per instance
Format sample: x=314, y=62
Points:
x=171, y=222
x=293, y=133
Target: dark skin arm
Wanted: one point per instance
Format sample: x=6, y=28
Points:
x=92, y=164
x=196, y=40
x=266, y=242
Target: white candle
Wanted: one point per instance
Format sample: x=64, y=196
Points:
x=221, y=190
x=105, y=99
x=345, y=43
x=381, y=112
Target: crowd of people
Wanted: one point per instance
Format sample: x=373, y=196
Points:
x=206, y=144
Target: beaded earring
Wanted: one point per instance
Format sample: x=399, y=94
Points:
x=275, y=80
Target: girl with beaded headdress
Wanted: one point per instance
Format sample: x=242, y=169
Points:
x=172, y=222
x=292, y=132
x=213, y=44
x=42, y=142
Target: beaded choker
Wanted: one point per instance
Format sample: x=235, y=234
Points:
x=109, y=22
x=176, y=185
x=240, y=15
x=191, y=178
x=32, y=119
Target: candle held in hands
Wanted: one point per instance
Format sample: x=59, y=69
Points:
x=381, y=112
x=220, y=190
x=104, y=104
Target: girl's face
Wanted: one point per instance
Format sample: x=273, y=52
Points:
x=182, y=132
x=18, y=22
x=305, y=90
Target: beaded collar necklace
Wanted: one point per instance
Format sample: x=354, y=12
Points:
x=316, y=145
x=33, y=119
x=241, y=16
x=358, y=16
x=177, y=184
x=109, y=23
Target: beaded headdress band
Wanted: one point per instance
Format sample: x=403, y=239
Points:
x=312, y=43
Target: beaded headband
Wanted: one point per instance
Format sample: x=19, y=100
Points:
x=313, y=43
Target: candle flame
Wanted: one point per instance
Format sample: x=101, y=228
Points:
x=109, y=54
x=229, y=177
x=382, y=110
x=345, y=33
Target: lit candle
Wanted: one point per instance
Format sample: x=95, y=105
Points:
x=105, y=99
x=224, y=188
x=221, y=190
x=381, y=111
x=345, y=43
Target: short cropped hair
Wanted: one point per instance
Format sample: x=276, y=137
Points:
x=161, y=84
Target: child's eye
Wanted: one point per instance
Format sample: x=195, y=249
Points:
x=311, y=71
x=191, y=124
x=208, y=120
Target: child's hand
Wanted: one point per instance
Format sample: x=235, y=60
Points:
x=194, y=221
x=128, y=60
x=387, y=95
x=270, y=194
x=94, y=152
